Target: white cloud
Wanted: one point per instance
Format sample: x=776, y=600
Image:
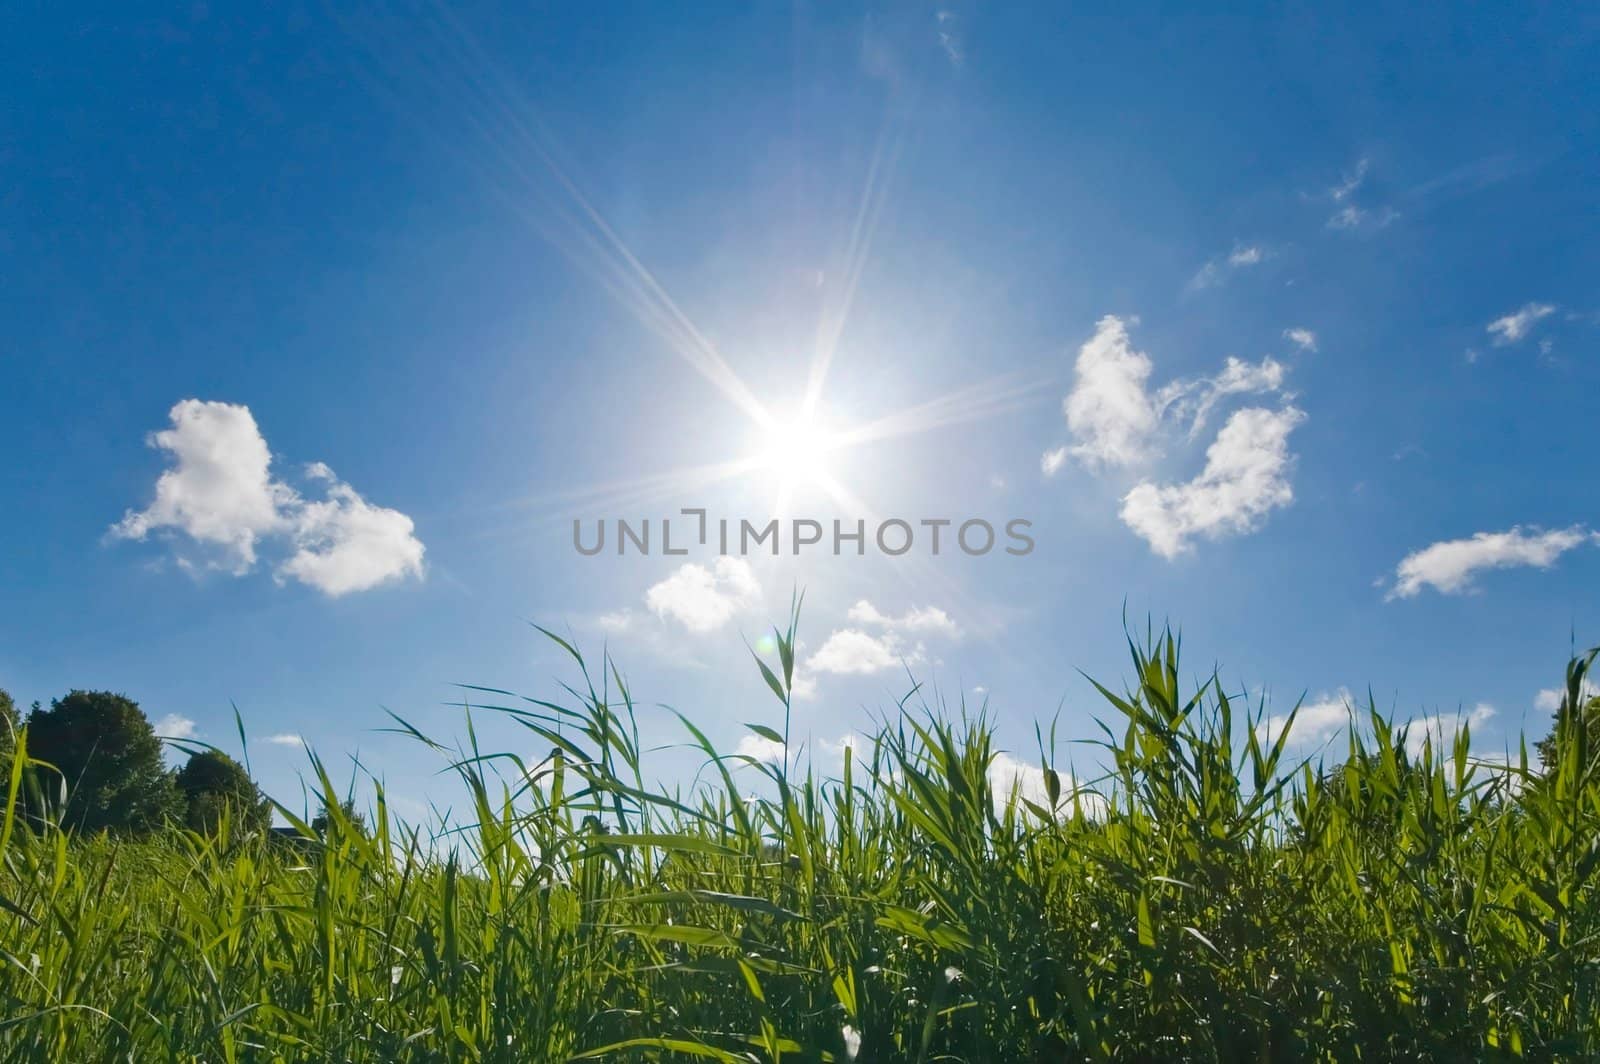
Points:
x=175, y=726
x=857, y=652
x=1013, y=780
x=1246, y=476
x=1329, y=716
x=1519, y=323
x=916, y=619
x=835, y=748
x=1108, y=410
x=850, y=651
x=220, y=494
x=1549, y=700
x=615, y=622
x=803, y=685
x=1443, y=728
x=219, y=491
x=1194, y=399
x=702, y=599
x=1246, y=256
x=1050, y=462
x=285, y=739
x=1317, y=721
x=1304, y=339
x=1116, y=421
x=1450, y=566
x=345, y=543
x=758, y=748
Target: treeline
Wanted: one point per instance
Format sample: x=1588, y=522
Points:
x=93, y=762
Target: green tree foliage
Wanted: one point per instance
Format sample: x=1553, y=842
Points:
x=347, y=816
x=104, y=751
x=1549, y=747
x=213, y=783
x=10, y=721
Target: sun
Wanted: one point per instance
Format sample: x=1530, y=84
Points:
x=795, y=451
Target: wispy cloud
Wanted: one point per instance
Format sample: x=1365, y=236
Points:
x=1350, y=214
x=1452, y=566
x=949, y=26
x=1353, y=217
x=1512, y=328
x=1217, y=270
x=1192, y=400
x=1350, y=183
x=1304, y=339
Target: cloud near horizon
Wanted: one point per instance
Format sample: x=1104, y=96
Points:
x=893, y=640
x=219, y=501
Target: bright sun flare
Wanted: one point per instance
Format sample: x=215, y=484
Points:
x=795, y=450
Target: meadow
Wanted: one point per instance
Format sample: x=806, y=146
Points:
x=1208, y=898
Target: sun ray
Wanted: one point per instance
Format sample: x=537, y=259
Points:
x=832, y=322
x=975, y=402
x=638, y=491
x=509, y=128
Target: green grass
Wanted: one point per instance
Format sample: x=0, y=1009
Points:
x=1209, y=900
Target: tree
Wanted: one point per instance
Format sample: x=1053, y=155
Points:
x=323, y=820
x=1577, y=725
x=108, y=757
x=9, y=723
x=211, y=783
x=1550, y=747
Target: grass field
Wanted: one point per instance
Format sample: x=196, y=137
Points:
x=1206, y=900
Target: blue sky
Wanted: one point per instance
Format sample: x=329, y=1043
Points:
x=409, y=294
